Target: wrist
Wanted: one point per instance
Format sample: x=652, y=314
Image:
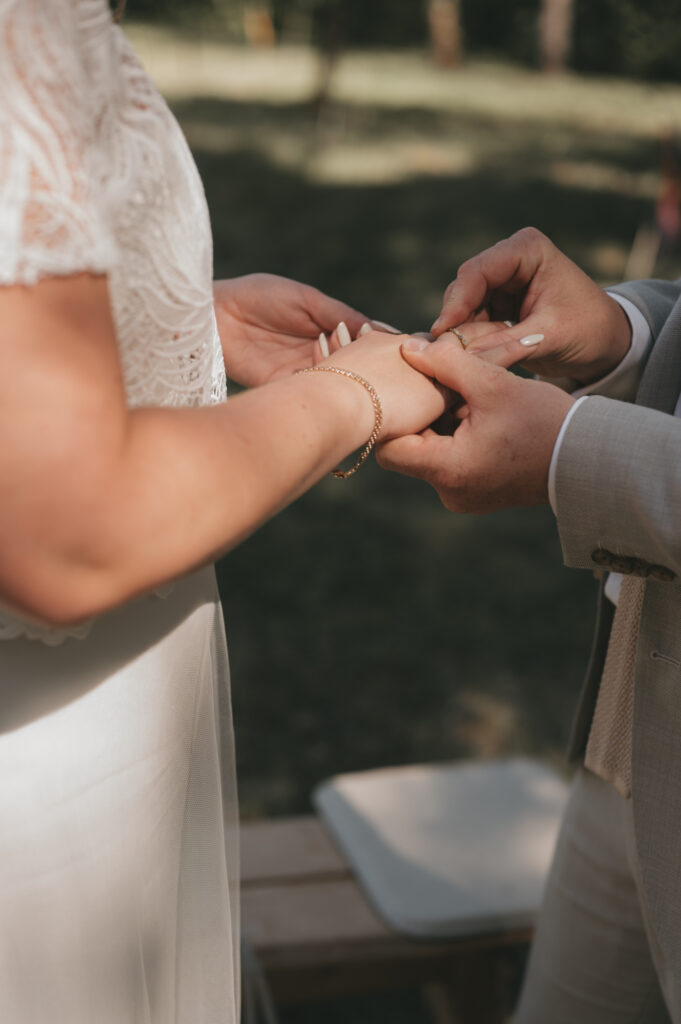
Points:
x=339, y=371
x=617, y=336
x=350, y=411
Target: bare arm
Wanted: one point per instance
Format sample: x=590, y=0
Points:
x=99, y=503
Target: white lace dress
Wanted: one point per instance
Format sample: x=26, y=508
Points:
x=118, y=846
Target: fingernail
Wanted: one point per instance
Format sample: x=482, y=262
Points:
x=343, y=335
x=386, y=327
x=531, y=339
x=438, y=323
x=324, y=345
x=365, y=329
x=416, y=344
x=510, y=323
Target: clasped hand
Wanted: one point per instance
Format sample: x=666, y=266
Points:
x=499, y=453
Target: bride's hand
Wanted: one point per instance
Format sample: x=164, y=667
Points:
x=410, y=401
x=270, y=326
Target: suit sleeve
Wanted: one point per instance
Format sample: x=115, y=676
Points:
x=618, y=490
x=655, y=299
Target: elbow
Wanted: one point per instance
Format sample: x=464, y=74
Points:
x=49, y=594
x=58, y=577
x=62, y=521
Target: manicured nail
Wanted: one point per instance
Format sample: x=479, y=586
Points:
x=510, y=323
x=365, y=329
x=343, y=335
x=386, y=327
x=531, y=339
x=416, y=344
x=324, y=345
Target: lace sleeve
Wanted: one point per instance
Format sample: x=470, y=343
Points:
x=52, y=175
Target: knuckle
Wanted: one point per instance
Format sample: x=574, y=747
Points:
x=529, y=232
x=468, y=267
x=532, y=236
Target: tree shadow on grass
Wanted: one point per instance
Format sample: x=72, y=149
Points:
x=391, y=248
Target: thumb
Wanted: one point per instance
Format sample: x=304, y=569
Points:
x=446, y=362
x=417, y=455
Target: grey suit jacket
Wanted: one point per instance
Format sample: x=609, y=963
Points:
x=618, y=498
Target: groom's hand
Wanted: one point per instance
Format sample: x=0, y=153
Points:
x=525, y=278
x=500, y=453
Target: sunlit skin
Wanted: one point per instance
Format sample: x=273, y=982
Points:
x=102, y=503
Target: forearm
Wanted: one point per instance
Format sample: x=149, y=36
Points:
x=184, y=486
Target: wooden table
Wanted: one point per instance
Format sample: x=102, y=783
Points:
x=317, y=936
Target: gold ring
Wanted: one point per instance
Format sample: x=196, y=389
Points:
x=459, y=335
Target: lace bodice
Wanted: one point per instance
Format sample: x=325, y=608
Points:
x=95, y=175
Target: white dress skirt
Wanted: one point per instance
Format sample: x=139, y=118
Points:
x=118, y=900
x=118, y=814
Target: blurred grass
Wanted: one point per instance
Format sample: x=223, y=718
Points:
x=367, y=625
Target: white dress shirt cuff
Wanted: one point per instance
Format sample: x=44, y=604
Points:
x=556, y=450
x=620, y=383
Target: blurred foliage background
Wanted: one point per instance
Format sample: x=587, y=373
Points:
x=639, y=38
x=369, y=148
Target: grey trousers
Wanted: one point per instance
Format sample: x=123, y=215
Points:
x=595, y=959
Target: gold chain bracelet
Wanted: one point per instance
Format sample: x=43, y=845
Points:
x=343, y=474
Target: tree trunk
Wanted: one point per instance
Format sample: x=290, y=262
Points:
x=555, y=31
x=258, y=24
x=446, y=37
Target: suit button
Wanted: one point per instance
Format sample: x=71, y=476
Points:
x=662, y=573
x=602, y=557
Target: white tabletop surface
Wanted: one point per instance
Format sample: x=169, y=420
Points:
x=449, y=849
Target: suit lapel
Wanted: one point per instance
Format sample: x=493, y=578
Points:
x=661, y=381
